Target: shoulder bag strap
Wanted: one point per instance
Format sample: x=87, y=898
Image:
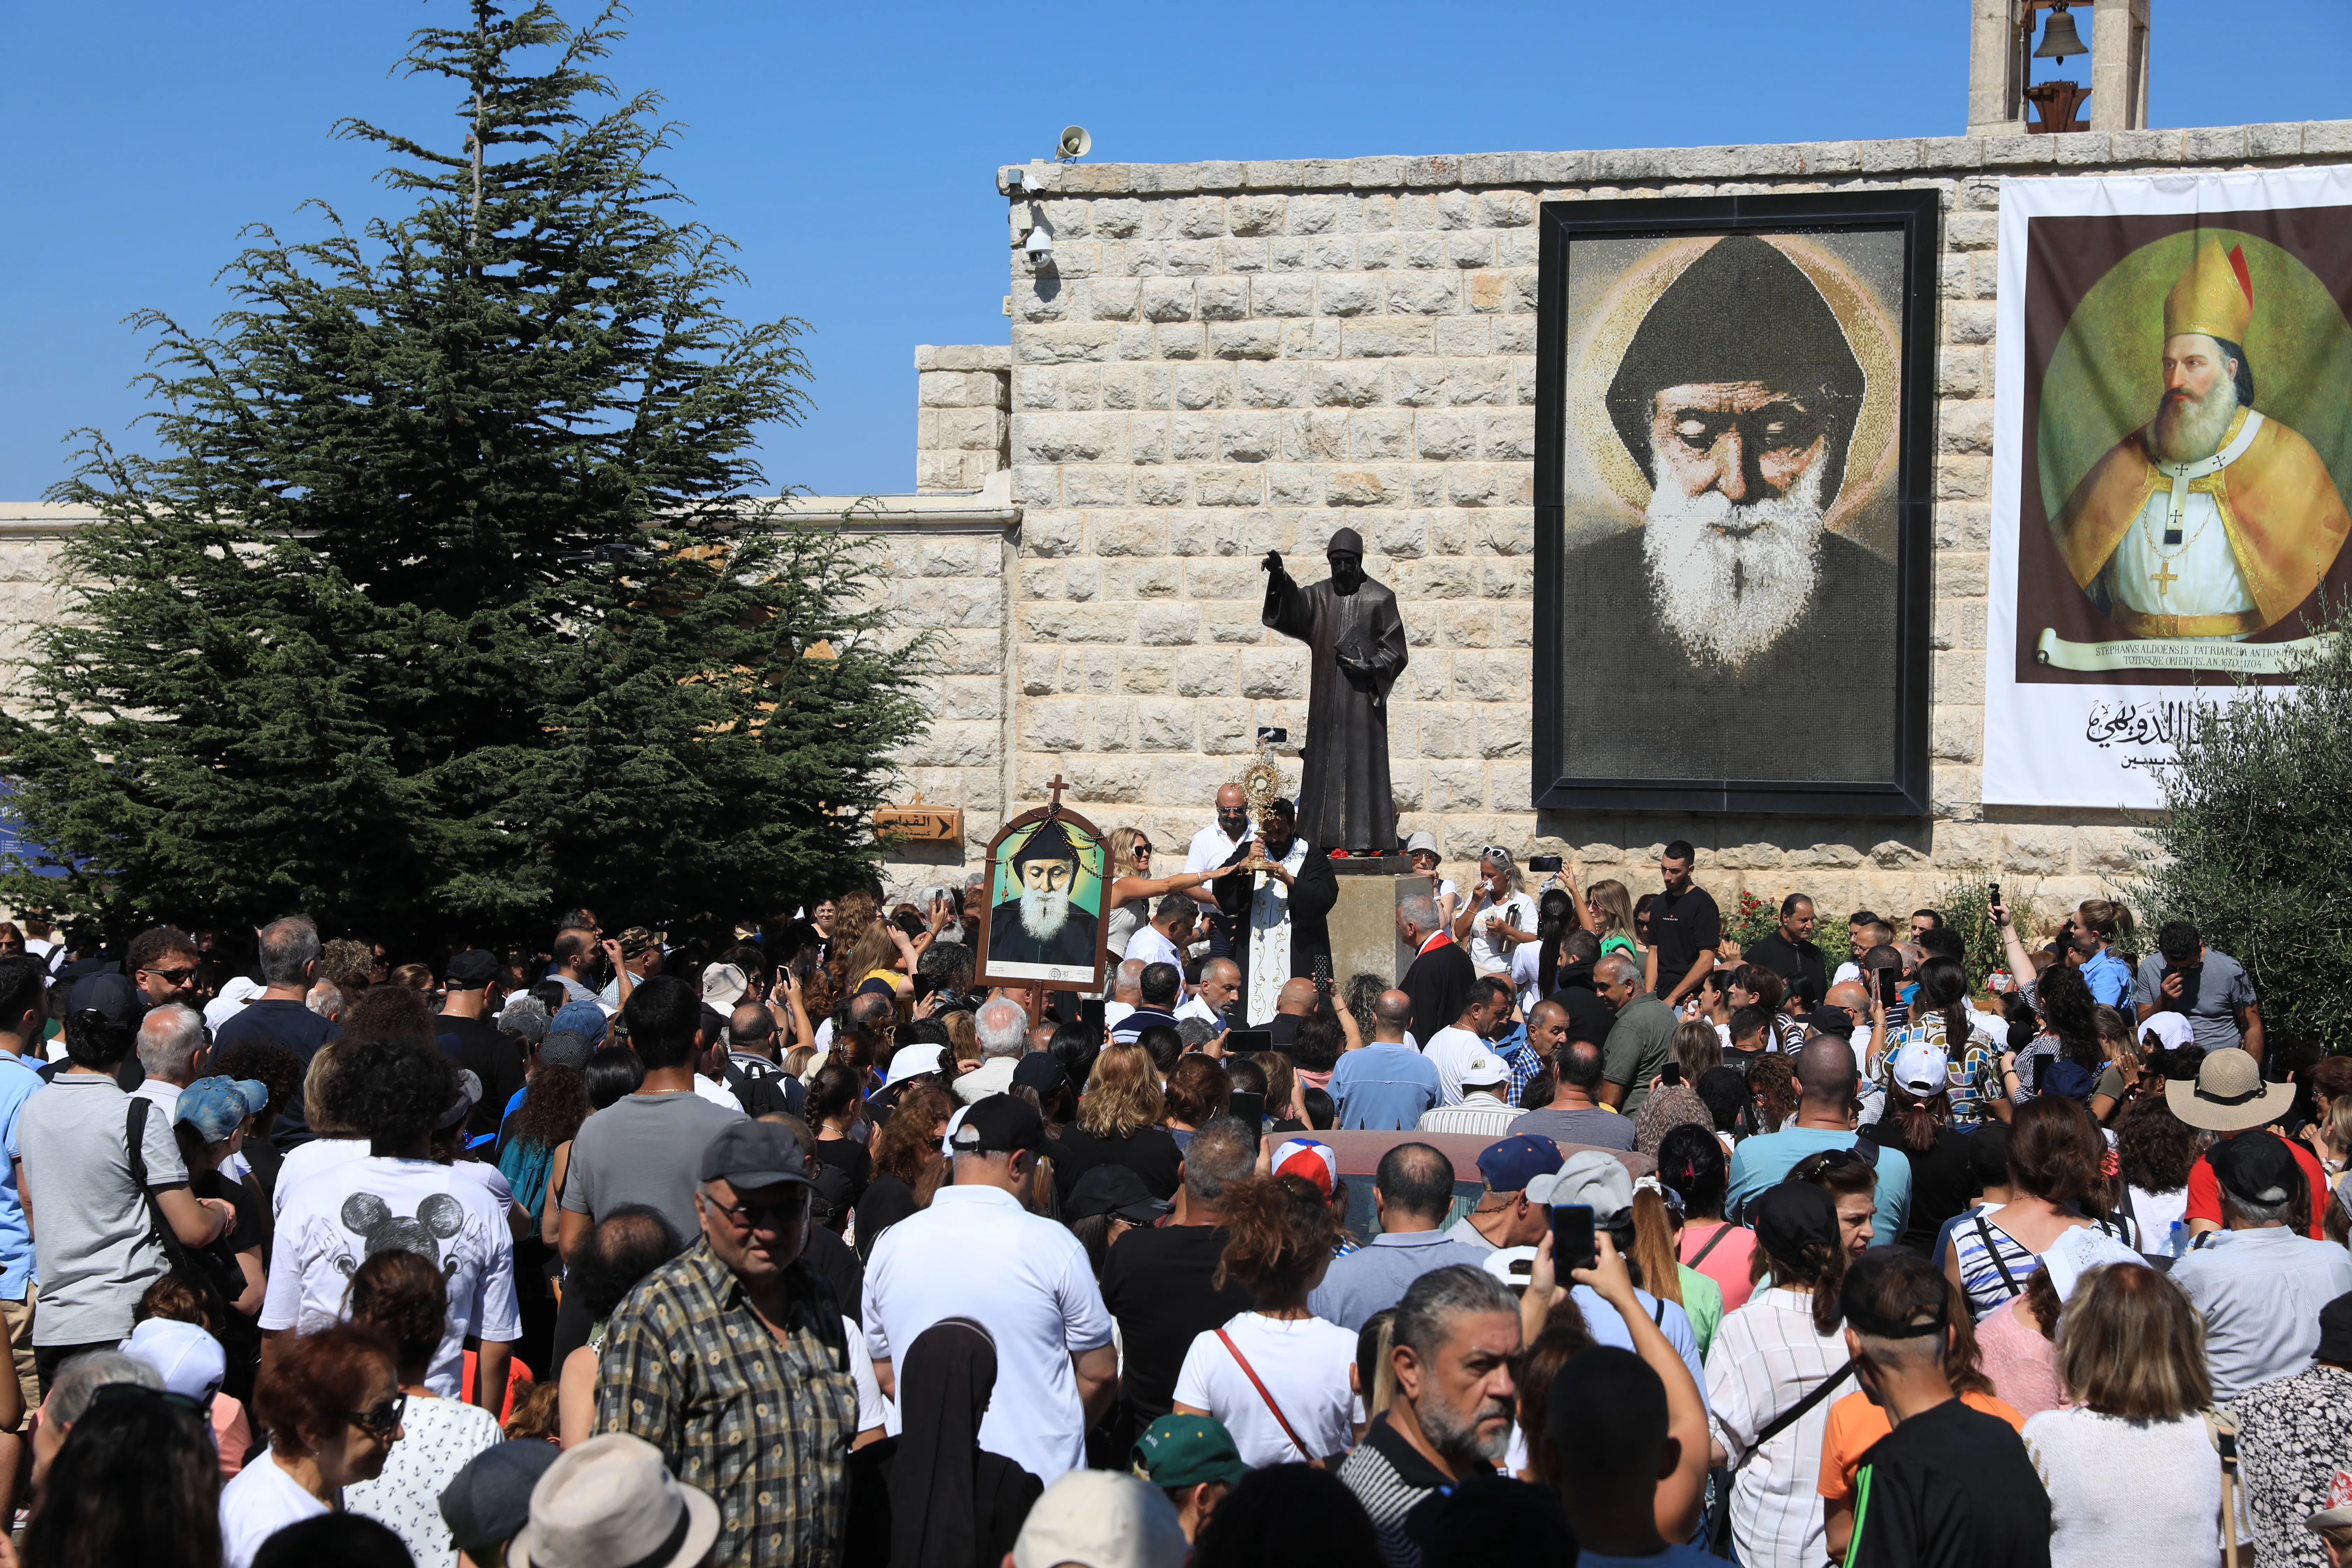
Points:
x=1796, y=1413
x=1263, y=1393
x=174, y=1254
x=1992, y=1250
x=1708, y=1245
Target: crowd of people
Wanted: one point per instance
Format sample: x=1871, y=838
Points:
x=1595, y=1237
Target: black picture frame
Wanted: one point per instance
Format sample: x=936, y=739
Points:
x=1917, y=214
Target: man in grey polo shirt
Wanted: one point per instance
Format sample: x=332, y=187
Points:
x=1414, y=1192
x=2259, y=1285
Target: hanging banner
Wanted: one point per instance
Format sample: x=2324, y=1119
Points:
x=2171, y=458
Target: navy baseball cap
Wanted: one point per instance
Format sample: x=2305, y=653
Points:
x=1510, y=1166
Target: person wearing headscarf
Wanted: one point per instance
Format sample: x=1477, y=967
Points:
x=952, y=1503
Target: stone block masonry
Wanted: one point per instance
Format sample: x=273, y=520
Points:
x=1228, y=358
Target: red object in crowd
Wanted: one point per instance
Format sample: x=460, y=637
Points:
x=518, y=1380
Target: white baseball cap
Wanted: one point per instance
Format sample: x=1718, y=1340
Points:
x=1921, y=1069
x=2172, y=1030
x=191, y=1361
x=914, y=1061
x=1099, y=1519
x=1485, y=1067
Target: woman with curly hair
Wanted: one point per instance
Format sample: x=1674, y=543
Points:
x=1279, y=1355
x=1118, y=1124
x=2157, y=1151
x=549, y=1116
x=909, y=1165
x=393, y=1093
x=402, y=1296
x=2069, y=1032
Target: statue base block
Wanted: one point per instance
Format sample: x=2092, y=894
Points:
x=1363, y=922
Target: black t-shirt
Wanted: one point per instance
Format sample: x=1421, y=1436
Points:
x=1148, y=1151
x=1941, y=1185
x=479, y=1046
x=849, y=1157
x=252, y=1233
x=300, y=1030
x=888, y=1201
x=1682, y=926
x=1950, y=1488
x=1156, y=1283
x=1789, y=959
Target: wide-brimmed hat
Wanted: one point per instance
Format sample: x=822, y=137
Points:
x=612, y=1503
x=2228, y=1095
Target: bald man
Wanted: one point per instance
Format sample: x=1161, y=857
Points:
x=1826, y=1082
x=1212, y=847
x=1292, y=1002
x=1387, y=1084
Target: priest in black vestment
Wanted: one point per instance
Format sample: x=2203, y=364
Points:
x=1351, y=624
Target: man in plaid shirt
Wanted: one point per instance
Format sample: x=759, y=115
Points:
x=733, y=1359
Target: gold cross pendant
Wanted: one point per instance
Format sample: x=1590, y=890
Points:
x=2163, y=577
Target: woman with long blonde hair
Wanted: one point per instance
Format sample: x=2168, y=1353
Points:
x=1133, y=887
x=1609, y=915
x=1118, y=1124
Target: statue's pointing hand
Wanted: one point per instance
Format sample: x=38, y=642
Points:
x=1272, y=563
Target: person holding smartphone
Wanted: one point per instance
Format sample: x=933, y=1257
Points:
x=2184, y=975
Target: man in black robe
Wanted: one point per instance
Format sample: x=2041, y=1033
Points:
x=1749, y=641
x=1280, y=916
x=1042, y=925
x=1351, y=624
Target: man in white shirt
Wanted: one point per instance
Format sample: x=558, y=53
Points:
x=1173, y=919
x=1220, y=988
x=1452, y=1048
x=1212, y=847
x=976, y=1253
x=1126, y=990
x=172, y=1052
x=1483, y=1109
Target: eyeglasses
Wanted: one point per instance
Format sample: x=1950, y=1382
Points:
x=1143, y=848
x=176, y=976
x=763, y=1216
x=382, y=1421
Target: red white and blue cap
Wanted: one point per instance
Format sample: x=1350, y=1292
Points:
x=1307, y=1158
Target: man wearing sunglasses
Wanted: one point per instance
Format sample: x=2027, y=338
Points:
x=162, y=961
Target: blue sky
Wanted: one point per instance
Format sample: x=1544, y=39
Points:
x=851, y=150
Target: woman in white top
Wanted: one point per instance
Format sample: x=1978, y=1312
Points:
x=1775, y=1366
x=404, y=1299
x=2157, y=1151
x=2133, y=1474
x=1500, y=915
x=332, y=1404
x=1277, y=1375
x=1133, y=887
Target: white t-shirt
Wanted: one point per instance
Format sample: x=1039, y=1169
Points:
x=306, y=1161
x=716, y=1093
x=976, y=1253
x=327, y=1229
x=259, y=1502
x=1487, y=955
x=1526, y=970
x=1303, y=1362
x=1211, y=849
x=491, y=1180
x=1451, y=1049
x=1149, y=946
x=439, y=1438
x=873, y=1410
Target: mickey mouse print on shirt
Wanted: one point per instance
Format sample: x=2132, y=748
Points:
x=331, y=1222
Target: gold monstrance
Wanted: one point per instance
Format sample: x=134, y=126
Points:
x=1261, y=785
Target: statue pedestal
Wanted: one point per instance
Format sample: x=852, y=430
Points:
x=1363, y=922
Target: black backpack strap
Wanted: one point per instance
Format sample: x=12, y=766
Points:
x=1992, y=1250
x=1707, y=1246
x=175, y=1252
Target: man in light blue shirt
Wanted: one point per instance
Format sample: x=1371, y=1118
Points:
x=1413, y=1193
x=20, y=1031
x=1826, y=1085
x=1387, y=1084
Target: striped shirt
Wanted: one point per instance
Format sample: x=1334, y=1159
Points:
x=1765, y=1359
x=1480, y=1114
x=1392, y=1478
x=1994, y=1265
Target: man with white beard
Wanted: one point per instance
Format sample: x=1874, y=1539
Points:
x=1737, y=398
x=2212, y=520
x=1042, y=925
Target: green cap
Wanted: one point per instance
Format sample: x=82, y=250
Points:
x=1185, y=1450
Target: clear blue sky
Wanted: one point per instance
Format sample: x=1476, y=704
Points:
x=851, y=149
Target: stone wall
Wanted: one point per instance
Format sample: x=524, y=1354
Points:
x=1228, y=358
x=960, y=424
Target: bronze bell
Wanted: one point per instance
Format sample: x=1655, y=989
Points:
x=2058, y=37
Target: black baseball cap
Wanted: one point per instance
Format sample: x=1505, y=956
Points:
x=2256, y=1167
x=110, y=996
x=488, y=1502
x=757, y=1155
x=1000, y=1124
x=472, y=969
x=1041, y=1071
x=2335, y=1333
x=1114, y=1190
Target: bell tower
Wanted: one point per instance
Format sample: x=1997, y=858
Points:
x=2006, y=39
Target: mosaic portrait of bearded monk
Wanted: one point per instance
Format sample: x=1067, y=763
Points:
x=1722, y=614
x=2212, y=520
x=1042, y=922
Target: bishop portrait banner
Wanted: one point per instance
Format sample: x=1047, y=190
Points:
x=2172, y=452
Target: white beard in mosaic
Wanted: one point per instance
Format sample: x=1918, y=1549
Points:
x=1730, y=578
x=2189, y=429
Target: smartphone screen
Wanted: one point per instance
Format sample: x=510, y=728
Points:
x=1248, y=1108
x=1090, y=1013
x=1890, y=985
x=1572, y=1239
x=1671, y=1073
x=924, y=985
x=1239, y=1042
